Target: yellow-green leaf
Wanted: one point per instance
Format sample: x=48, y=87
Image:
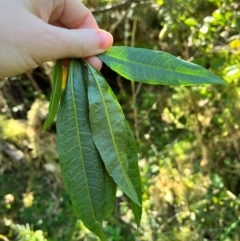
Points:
x=156, y=67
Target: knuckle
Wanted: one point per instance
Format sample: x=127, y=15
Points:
x=81, y=45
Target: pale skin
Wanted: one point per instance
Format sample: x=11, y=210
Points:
x=36, y=31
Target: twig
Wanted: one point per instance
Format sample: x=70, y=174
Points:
x=139, y=86
x=205, y=162
x=11, y=151
x=3, y=103
x=115, y=25
x=233, y=38
x=33, y=82
x=117, y=6
x=3, y=238
x=133, y=87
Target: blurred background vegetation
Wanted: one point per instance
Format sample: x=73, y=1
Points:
x=188, y=137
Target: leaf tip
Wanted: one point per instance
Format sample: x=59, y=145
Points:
x=45, y=127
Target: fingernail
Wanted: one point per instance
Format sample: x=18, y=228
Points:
x=105, y=39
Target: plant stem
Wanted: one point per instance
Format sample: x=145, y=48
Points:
x=133, y=87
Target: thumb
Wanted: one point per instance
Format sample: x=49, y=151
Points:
x=75, y=43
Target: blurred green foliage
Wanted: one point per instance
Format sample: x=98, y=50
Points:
x=188, y=137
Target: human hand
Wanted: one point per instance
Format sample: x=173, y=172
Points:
x=33, y=32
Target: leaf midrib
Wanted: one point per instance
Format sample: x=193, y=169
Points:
x=108, y=121
x=157, y=67
x=79, y=142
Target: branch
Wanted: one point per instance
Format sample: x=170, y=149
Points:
x=117, y=6
x=11, y=151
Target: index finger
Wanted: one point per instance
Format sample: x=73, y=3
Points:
x=74, y=15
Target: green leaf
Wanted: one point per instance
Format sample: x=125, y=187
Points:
x=234, y=225
x=133, y=170
x=156, y=67
x=81, y=165
x=56, y=94
x=109, y=131
x=133, y=173
x=110, y=194
x=191, y=22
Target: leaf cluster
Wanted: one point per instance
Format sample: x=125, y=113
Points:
x=94, y=143
x=96, y=146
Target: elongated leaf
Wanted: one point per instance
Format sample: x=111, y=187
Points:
x=156, y=67
x=110, y=194
x=109, y=184
x=134, y=174
x=109, y=131
x=133, y=170
x=56, y=94
x=80, y=162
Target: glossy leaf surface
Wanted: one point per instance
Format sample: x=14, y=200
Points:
x=109, y=131
x=81, y=165
x=56, y=94
x=156, y=67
